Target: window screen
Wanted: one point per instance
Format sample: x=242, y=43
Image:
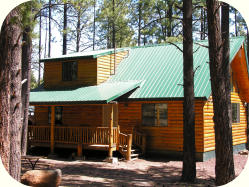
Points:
x=69, y=71
x=155, y=114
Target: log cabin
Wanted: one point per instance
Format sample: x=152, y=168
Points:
x=114, y=100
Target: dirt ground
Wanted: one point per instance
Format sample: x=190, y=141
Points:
x=93, y=171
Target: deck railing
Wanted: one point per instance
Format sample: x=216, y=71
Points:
x=72, y=135
x=125, y=144
x=39, y=134
x=139, y=139
x=87, y=135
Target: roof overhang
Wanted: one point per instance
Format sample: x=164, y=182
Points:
x=100, y=94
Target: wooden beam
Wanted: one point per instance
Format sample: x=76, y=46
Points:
x=52, y=129
x=79, y=153
x=111, y=131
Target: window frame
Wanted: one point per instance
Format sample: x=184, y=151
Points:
x=69, y=71
x=155, y=114
x=236, y=116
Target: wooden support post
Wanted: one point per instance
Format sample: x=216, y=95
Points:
x=118, y=131
x=143, y=144
x=79, y=152
x=128, y=156
x=111, y=133
x=52, y=129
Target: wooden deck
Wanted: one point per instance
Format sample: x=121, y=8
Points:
x=97, y=138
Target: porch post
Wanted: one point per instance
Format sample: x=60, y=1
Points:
x=111, y=132
x=52, y=129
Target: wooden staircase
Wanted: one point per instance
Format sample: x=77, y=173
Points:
x=131, y=146
x=135, y=152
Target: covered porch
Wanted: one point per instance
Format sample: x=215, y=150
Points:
x=89, y=123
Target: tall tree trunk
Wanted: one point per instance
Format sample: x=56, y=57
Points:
x=220, y=84
x=10, y=57
x=64, y=44
x=169, y=14
x=78, y=32
x=6, y=40
x=26, y=71
x=202, y=24
x=235, y=22
x=49, y=28
x=113, y=25
x=39, y=63
x=139, y=22
x=189, y=165
x=94, y=23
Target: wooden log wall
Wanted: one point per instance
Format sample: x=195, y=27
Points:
x=238, y=129
x=238, y=95
x=77, y=115
x=169, y=138
x=106, y=65
x=87, y=74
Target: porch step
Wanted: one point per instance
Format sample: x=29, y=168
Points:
x=134, y=155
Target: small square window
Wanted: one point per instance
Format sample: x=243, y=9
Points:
x=69, y=71
x=155, y=114
x=235, y=113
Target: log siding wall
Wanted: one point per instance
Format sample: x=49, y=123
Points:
x=77, y=115
x=238, y=129
x=169, y=138
x=105, y=65
x=86, y=76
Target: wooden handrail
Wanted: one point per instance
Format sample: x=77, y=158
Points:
x=72, y=135
x=139, y=139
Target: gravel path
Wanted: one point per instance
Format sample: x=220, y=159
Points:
x=140, y=172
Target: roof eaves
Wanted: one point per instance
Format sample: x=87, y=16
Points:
x=109, y=52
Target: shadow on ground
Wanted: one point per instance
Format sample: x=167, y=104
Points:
x=93, y=171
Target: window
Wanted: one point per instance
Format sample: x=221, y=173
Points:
x=69, y=71
x=58, y=114
x=235, y=112
x=155, y=114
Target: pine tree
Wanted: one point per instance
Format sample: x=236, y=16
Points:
x=220, y=84
x=189, y=165
x=10, y=92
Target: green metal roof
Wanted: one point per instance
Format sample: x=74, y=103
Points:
x=82, y=55
x=103, y=93
x=161, y=69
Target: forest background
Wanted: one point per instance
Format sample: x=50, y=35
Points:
x=63, y=27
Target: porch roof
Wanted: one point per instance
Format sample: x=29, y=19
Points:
x=101, y=94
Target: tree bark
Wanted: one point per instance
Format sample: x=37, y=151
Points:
x=49, y=28
x=113, y=25
x=6, y=36
x=220, y=84
x=26, y=71
x=235, y=22
x=39, y=63
x=189, y=165
x=139, y=22
x=64, y=45
x=169, y=14
x=10, y=57
x=94, y=23
x=78, y=31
